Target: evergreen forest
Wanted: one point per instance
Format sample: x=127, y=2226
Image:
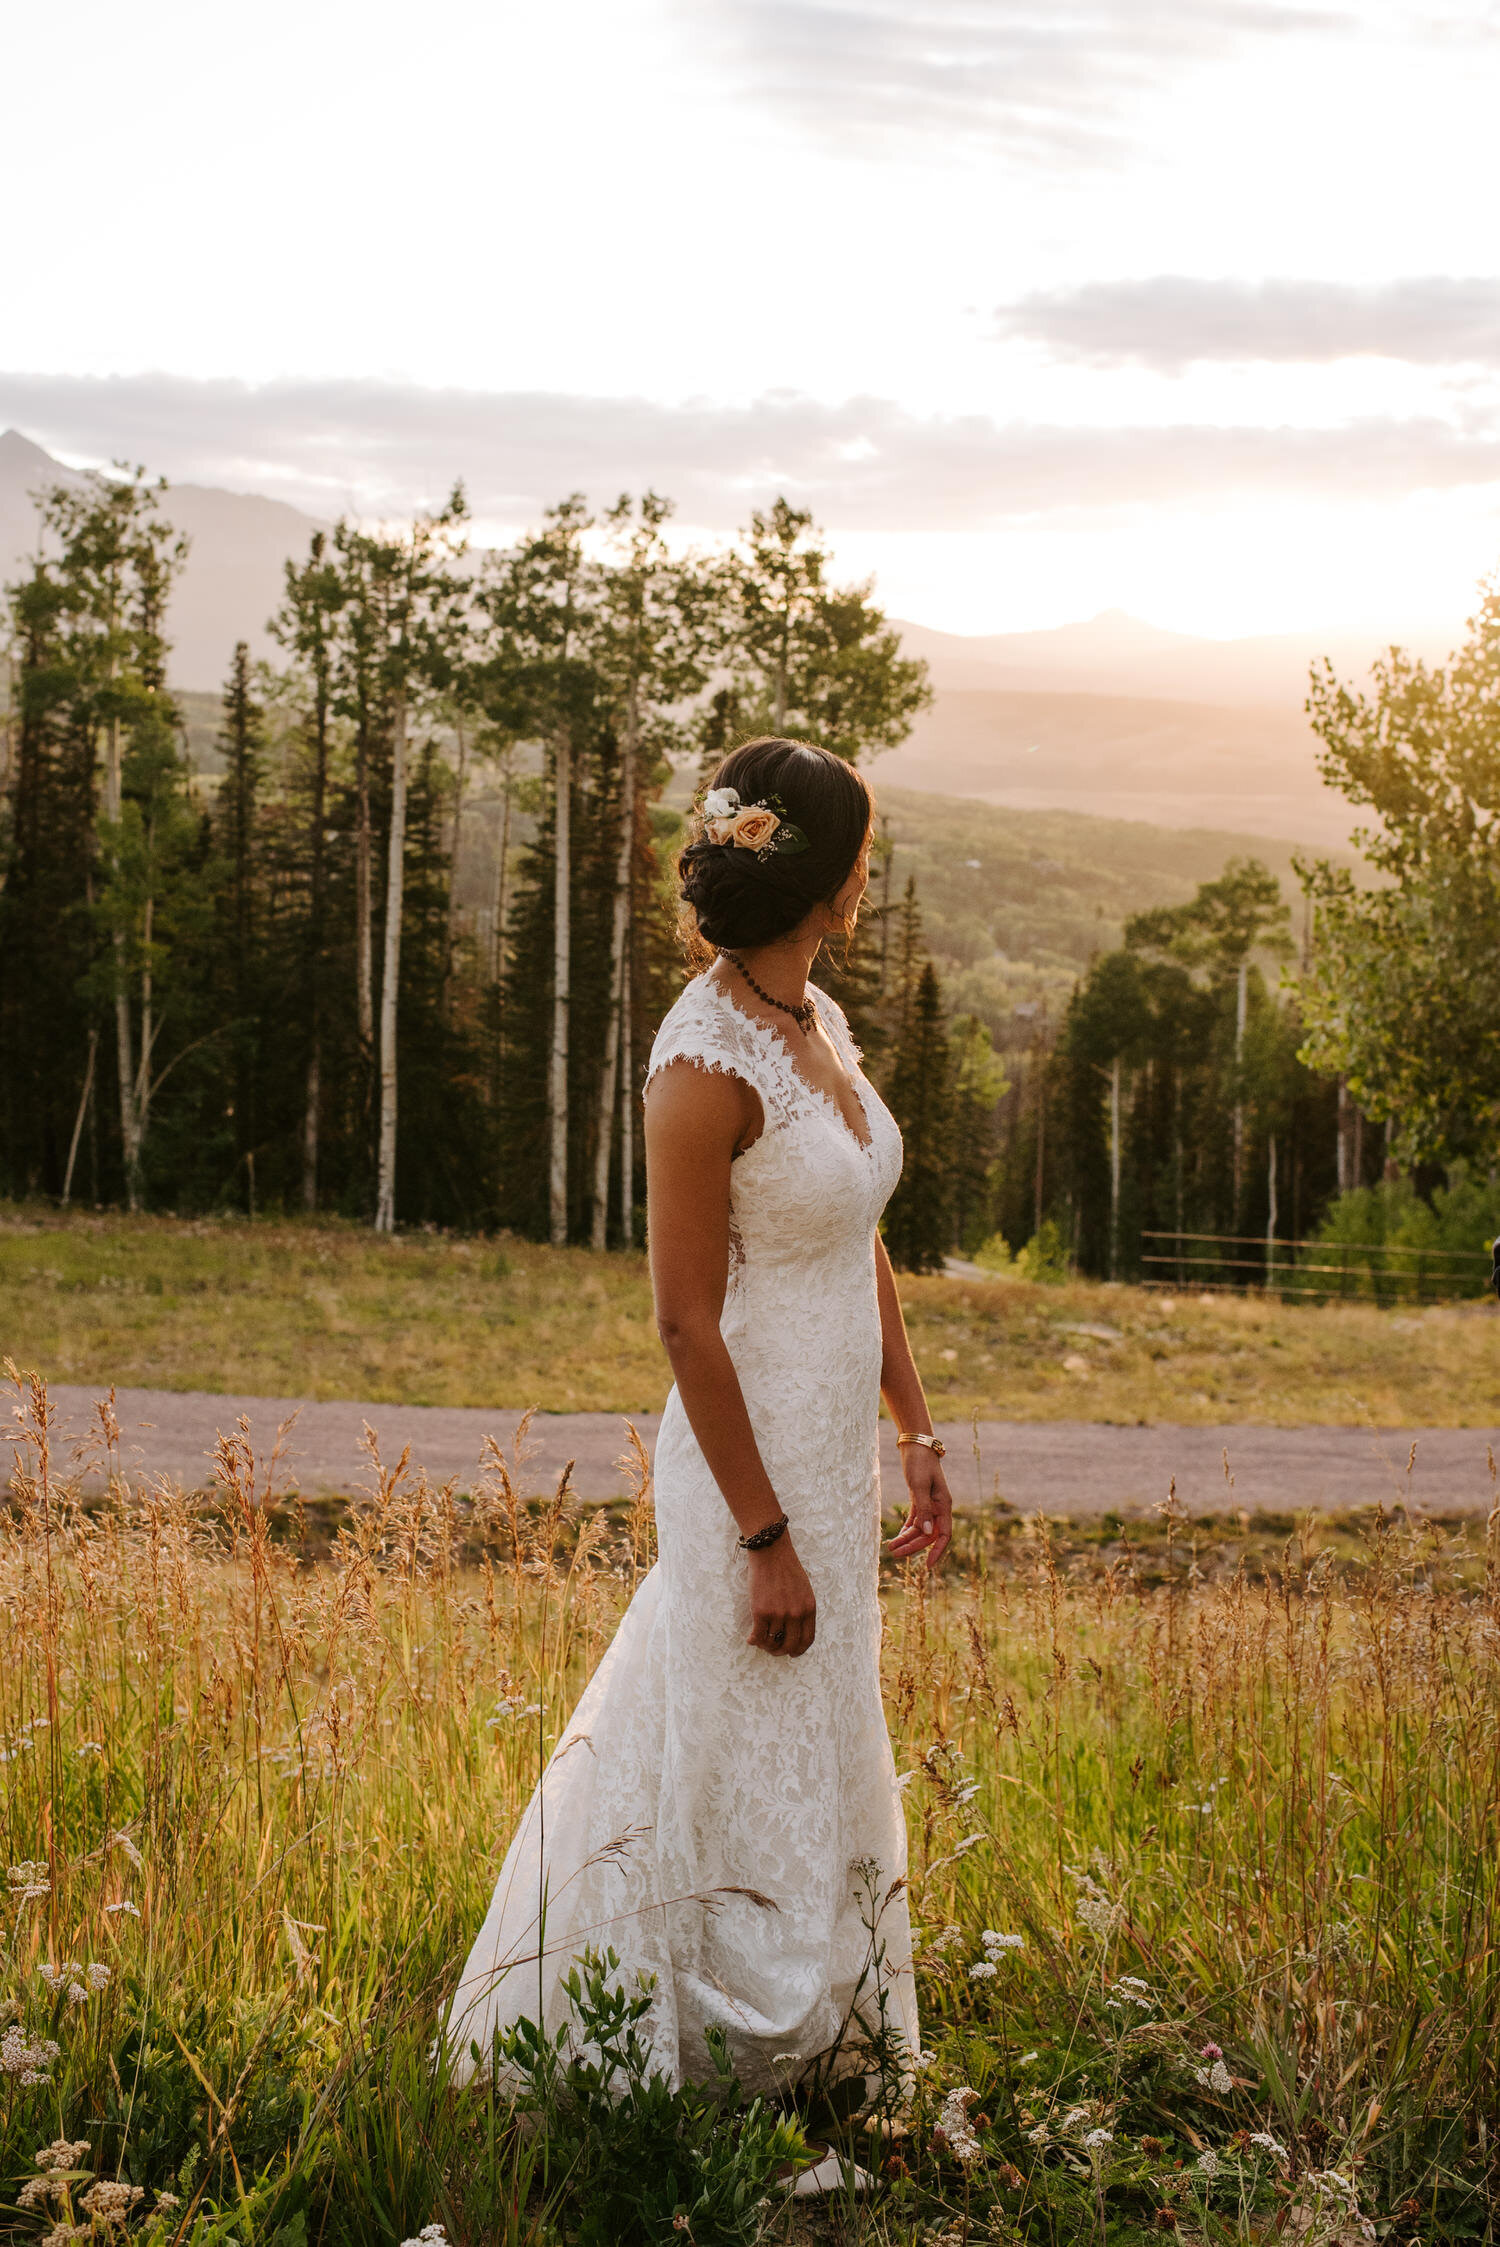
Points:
x=397, y=948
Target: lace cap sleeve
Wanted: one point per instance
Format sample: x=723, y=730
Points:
x=701, y=1030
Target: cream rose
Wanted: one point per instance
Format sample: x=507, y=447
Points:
x=754, y=827
x=719, y=830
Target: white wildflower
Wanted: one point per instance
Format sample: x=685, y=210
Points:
x=1267, y=2144
x=37, y=2191
x=123, y=1841
x=786, y=2059
x=61, y=2234
x=967, y=1793
x=983, y=1970
x=89, y=1747
x=97, y=1975
x=953, y=2122
x=77, y=1994
x=110, y=2202
x=63, y=2153
x=1207, y=2163
x=1039, y=2135
x=167, y=2200
x=993, y=1942
x=1026, y=2059
x=430, y=2235
x=124, y=1905
x=1216, y=2078
x=1073, y=2117
x=20, y=2057
x=1133, y=1982
x=1096, y=2140
x=1099, y=1915
x=29, y=1881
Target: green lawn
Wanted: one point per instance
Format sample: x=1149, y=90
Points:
x=331, y=1310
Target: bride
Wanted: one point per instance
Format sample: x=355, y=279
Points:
x=722, y=1810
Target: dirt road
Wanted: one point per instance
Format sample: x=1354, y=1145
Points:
x=1063, y=1467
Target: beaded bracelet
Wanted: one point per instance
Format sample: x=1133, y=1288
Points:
x=763, y=1537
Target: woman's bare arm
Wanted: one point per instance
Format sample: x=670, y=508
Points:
x=929, y=1523
x=695, y=1119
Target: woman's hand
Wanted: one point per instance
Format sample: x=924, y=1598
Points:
x=929, y=1523
x=783, y=1607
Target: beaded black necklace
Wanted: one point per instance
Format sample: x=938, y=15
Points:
x=805, y=1016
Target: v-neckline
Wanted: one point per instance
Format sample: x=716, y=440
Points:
x=770, y=1030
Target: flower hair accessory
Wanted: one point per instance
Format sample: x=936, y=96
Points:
x=762, y=828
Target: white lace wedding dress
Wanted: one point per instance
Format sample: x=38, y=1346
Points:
x=696, y=1767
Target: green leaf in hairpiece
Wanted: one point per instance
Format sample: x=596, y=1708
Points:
x=788, y=838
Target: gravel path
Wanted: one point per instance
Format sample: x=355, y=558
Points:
x=1063, y=1466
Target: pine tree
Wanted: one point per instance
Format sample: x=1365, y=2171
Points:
x=979, y=1084
x=242, y=744
x=49, y=1033
x=918, y=1218
x=99, y=603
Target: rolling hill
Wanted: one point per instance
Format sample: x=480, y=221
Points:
x=1016, y=902
x=1111, y=716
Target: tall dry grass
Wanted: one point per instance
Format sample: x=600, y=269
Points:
x=1204, y=1868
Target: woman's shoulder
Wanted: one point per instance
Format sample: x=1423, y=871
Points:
x=690, y=1029
x=704, y=1027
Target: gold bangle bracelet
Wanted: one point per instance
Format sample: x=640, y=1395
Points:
x=934, y=1444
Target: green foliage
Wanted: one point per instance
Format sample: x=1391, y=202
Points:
x=918, y=1217
x=1043, y=1260
x=1404, y=997
x=810, y=658
x=629, y=2160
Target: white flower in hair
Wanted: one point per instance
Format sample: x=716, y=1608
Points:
x=721, y=803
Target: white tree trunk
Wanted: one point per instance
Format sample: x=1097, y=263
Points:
x=460, y=782
x=363, y=916
x=609, y=1075
x=557, y=1083
x=390, y=980
x=130, y=1121
x=83, y=1102
x=1342, y=1145
x=627, y=1111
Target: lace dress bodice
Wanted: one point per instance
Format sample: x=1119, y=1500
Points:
x=696, y=1767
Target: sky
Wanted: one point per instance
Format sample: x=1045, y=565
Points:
x=1189, y=307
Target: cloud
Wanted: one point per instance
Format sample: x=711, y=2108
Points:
x=1173, y=321
x=1043, y=79
x=387, y=449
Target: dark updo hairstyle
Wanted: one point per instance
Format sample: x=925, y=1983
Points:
x=739, y=899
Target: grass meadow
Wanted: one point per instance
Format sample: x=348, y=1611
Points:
x=1205, y=1871
x=330, y=1310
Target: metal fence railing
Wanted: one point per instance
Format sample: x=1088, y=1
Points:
x=1319, y=1271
